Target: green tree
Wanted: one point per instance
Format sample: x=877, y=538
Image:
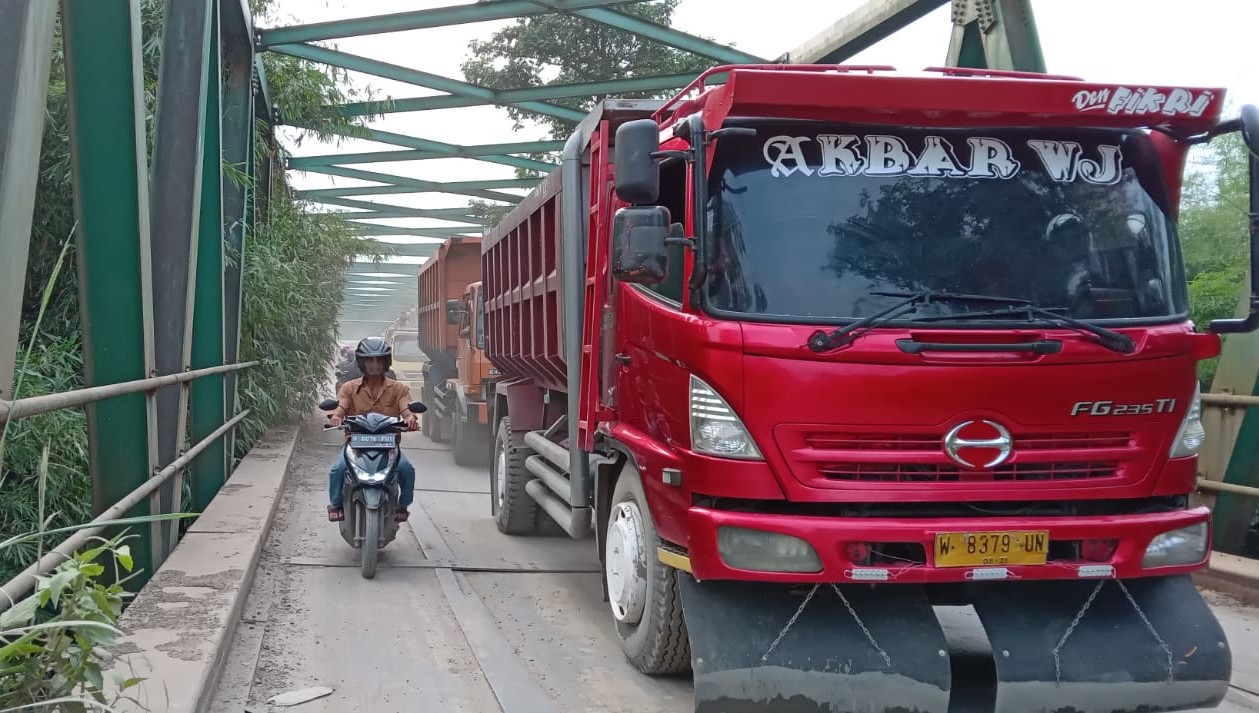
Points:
x=572, y=49
x=566, y=49
x=1214, y=234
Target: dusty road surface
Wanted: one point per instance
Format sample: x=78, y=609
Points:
x=461, y=618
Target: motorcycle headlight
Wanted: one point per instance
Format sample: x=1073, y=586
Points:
x=371, y=476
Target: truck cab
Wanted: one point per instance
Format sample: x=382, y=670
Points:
x=408, y=359
x=471, y=417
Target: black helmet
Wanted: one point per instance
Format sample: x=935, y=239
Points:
x=373, y=347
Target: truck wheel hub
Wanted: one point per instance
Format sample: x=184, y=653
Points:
x=626, y=564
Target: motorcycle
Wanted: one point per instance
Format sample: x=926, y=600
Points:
x=370, y=488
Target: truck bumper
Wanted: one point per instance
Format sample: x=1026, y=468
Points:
x=843, y=546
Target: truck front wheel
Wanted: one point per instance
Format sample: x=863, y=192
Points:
x=515, y=512
x=644, y=593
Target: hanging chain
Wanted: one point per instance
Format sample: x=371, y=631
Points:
x=1149, y=626
x=869, y=637
x=800, y=610
x=795, y=616
x=1071, y=630
x=1171, y=668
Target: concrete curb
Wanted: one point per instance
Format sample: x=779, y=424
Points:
x=180, y=626
x=1238, y=577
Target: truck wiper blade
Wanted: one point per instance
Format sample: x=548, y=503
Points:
x=820, y=341
x=1108, y=338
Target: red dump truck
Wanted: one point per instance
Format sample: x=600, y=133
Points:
x=818, y=349
x=454, y=372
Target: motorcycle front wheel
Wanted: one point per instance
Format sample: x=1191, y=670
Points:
x=371, y=540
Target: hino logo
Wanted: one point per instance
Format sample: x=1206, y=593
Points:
x=955, y=443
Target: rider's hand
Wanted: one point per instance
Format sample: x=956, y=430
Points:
x=334, y=421
x=413, y=423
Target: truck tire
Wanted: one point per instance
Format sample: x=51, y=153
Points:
x=643, y=593
x=515, y=512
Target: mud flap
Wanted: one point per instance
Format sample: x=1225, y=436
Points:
x=759, y=647
x=1149, y=644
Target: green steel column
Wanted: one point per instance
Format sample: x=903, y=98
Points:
x=206, y=396
x=26, y=32
x=995, y=34
x=176, y=176
x=237, y=141
x=106, y=116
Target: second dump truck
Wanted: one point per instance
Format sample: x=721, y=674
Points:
x=454, y=377
x=816, y=348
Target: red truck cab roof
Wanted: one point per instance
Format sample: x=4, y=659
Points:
x=940, y=97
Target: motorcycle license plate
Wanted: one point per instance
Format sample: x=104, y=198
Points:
x=372, y=440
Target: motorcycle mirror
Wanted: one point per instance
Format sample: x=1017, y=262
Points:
x=416, y=407
x=327, y=404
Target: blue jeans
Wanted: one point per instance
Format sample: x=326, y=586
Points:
x=406, y=480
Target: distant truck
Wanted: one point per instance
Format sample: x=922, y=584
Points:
x=450, y=334
x=408, y=359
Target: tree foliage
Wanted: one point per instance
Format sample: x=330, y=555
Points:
x=561, y=48
x=567, y=49
x=1214, y=234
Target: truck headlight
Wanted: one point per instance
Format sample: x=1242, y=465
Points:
x=1188, y=545
x=715, y=429
x=763, y=551
x=1191, y=434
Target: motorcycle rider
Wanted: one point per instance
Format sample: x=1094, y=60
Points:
x=374, y=392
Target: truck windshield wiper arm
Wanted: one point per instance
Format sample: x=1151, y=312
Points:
x=820, y=341
x=1108, y=338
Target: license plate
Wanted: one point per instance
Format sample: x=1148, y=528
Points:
x=372, y=440
x=979, y=549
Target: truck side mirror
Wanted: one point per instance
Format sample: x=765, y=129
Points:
x=640, y=253
x=637, y=173
x=454, y=310
x=1250, y=137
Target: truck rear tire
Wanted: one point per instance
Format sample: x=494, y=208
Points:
x=515, y=512
x=644, y=593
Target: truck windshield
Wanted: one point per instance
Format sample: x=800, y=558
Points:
x=806, y=221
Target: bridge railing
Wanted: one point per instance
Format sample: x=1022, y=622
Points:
x=1226, y=465
x=160, y=239
x=22, y=585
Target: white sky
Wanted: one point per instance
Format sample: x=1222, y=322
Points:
x=1165, y=42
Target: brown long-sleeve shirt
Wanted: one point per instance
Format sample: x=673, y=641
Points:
x=356, y=398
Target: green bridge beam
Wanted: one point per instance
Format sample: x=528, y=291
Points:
x=455, y=187
x=420, y=155
x=667, y=35
x=418, y=78
x=26, y=40
x=415, y=183
x=459, y=215
x=513, y=96
x=444, y=150
x=105, y=92
x=859, y=30
x=422, y=19
x=368, y=229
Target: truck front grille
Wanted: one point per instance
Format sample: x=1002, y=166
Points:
x=852, y=456
x=940, y=473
